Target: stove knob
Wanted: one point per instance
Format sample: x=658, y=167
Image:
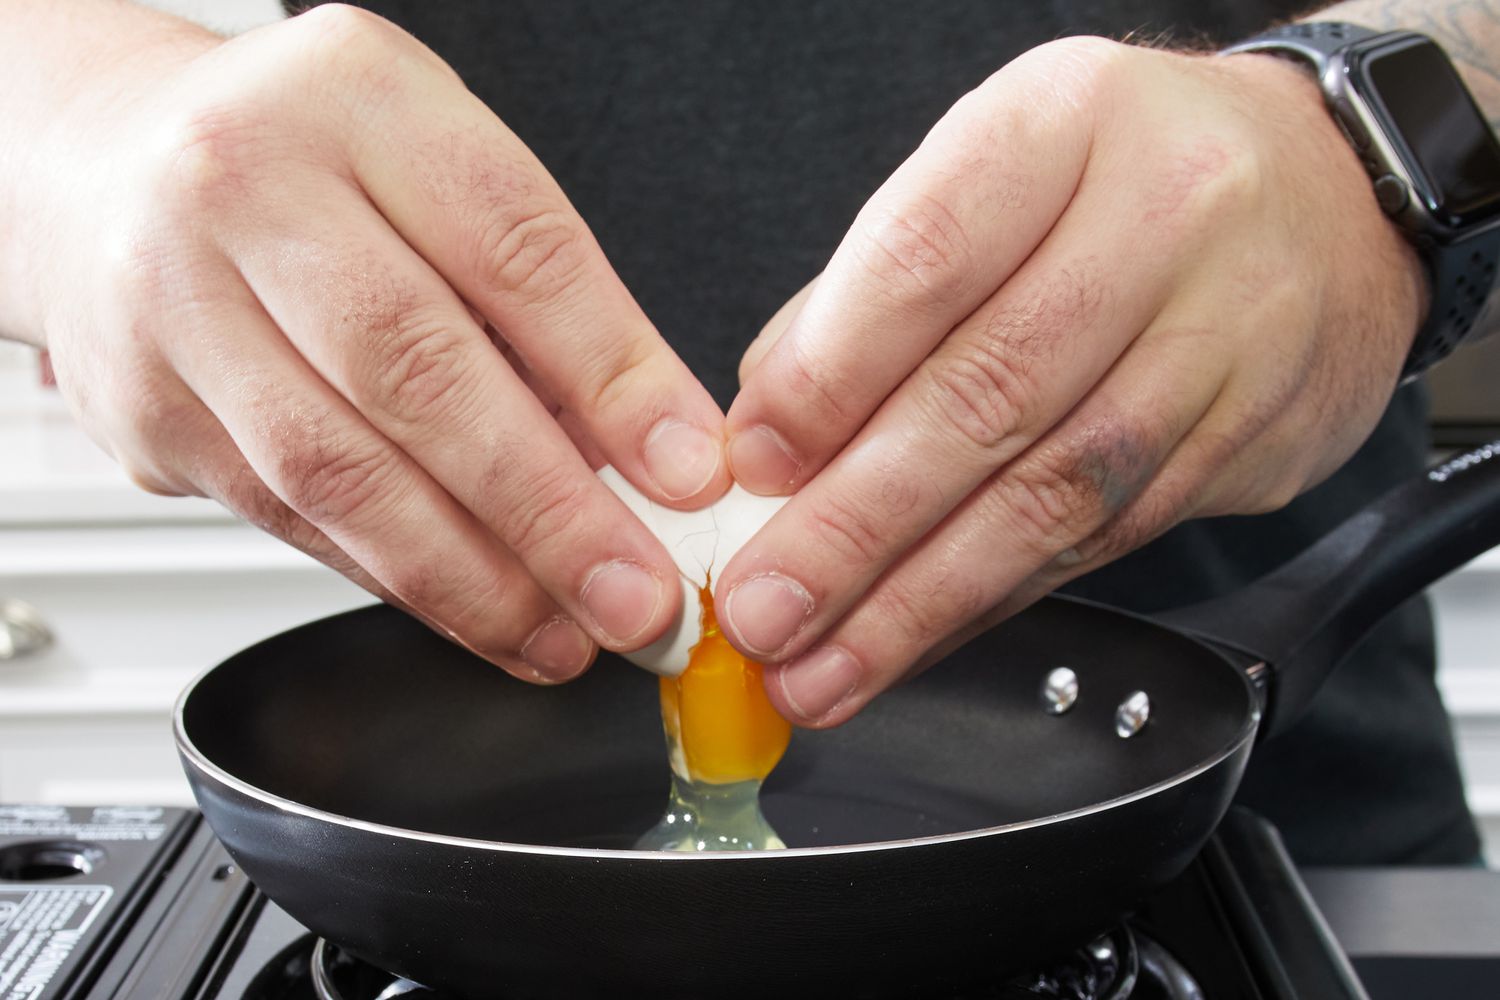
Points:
x=22, y=631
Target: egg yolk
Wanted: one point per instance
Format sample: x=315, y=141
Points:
x=717, y=713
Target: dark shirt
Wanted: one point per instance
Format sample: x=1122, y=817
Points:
x=719, y=149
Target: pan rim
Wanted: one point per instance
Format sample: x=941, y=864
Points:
x=207, y=768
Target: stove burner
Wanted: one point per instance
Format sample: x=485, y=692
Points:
x=1160, y=967
x=337, y=976
x=1120, y=965
x=1106, y=968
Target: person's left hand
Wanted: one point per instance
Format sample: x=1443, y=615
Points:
x=1115, y=288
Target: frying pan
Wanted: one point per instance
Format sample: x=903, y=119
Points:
x=470, y=832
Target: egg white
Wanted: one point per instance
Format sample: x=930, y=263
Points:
x=701, y=542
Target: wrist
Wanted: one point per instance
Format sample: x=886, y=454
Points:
x=73, y=77
x=1288, y=96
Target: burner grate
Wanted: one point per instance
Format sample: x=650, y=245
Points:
x=336, y=976
x=1120, y=965
x=1107, y=968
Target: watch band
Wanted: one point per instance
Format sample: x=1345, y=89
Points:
x=1312, y=41
x=1463, y=273
x=1462, y=279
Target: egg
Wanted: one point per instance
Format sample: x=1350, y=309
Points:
x=699, y=542
x=723, y=735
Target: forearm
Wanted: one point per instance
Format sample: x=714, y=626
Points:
x=67, y=70
x=1469, y=30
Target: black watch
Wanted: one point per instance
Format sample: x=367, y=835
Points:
x=1429, y=151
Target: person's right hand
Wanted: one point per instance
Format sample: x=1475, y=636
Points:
x=274, y=280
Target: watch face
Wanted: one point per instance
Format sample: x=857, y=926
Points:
x=1447, y=139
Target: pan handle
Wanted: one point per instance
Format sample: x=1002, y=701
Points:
x=1304, y=617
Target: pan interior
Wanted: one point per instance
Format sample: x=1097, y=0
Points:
x=370, y=716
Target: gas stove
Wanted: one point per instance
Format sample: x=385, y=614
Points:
x=131, y=903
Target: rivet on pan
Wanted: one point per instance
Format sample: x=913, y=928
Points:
x=1059, y=690
x=1132, y=715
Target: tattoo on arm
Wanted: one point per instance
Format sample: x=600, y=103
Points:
x=1469, y=30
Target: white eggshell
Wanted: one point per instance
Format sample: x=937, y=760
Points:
x=701, y=542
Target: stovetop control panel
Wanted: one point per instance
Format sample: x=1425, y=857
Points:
x=88, y=896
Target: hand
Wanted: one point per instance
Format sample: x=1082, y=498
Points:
x=1115, y=288
x=272, y=278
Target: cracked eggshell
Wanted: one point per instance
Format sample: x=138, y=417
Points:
x=701, y=542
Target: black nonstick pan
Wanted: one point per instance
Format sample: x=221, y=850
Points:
x=443, y=821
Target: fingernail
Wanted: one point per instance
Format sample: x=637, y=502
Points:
x=762, y=461
x=766, y=611
x=558, y=650
x=819, y=682
x=622, y=597
x=680, y=458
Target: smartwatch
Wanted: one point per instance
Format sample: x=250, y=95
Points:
x=1430, y=153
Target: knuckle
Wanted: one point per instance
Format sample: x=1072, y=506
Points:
x=327, y=483
x=345, y=32
x=261, y=508
x=845, y=527
x=1051, y=504
x=980, y=392
x=355, y=58
x=1076, y=488
x=907, y=611
x=211, y=155
x=1118, y=455
x=542, y=509
x=815, y=390
x=534, y=255
x=919, y=250
x=479, y=613
x=981, y=383
x=149, y=414
x=249, y=498
x=613, y=374
x=1129, y=530
x=1091, y=58
x=493, y=620
x=421, y=365
x=237, y=487
x=301, y=534
x=422, y=586
x=1269, y=499
x=147, y=476
x=1076, y=71
x=927, y=611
